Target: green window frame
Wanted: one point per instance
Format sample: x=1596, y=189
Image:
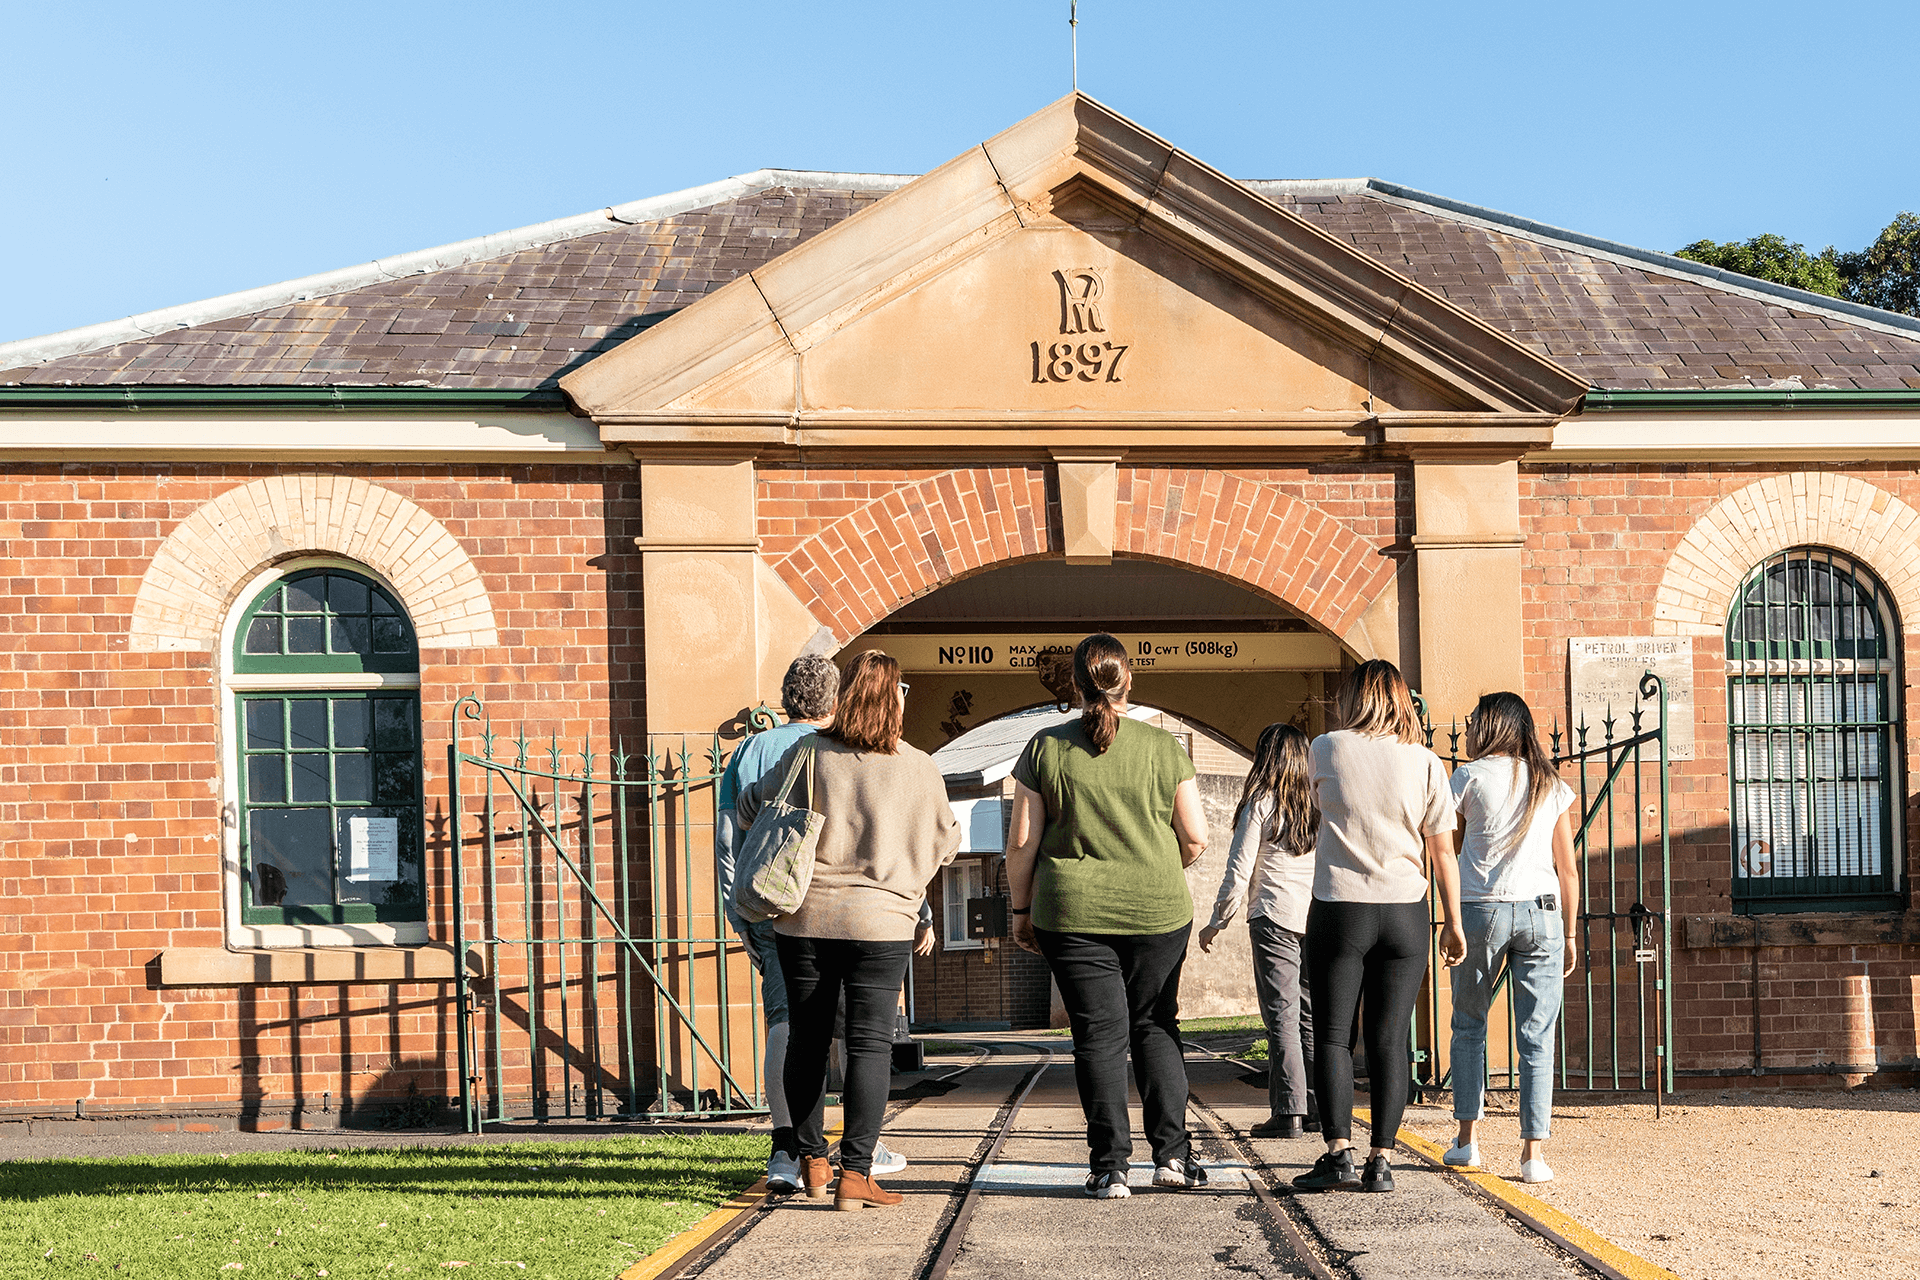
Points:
x=1813, y=726
x=331, y=805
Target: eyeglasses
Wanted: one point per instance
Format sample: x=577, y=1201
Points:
x=904, y=688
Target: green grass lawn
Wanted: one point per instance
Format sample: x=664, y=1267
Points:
x=555, y=1210
x=1234, y=1022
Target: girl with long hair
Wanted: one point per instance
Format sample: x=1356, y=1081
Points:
x=1106, y=817
x=1274, y=830
x=886, y=831
x=1386, y=824
x=1518, y=886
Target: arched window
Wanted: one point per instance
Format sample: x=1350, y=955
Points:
x=326, y=725
x=1812, y=709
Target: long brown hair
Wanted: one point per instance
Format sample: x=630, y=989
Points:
x=1280, y=770
x=1375, y=701
x=869, y=715
x=1501, y=725
x=1102, y=674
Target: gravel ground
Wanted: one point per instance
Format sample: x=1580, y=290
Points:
x=1730, y=1185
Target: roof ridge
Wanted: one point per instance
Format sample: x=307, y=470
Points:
x=1888, y=322
x=499, y=244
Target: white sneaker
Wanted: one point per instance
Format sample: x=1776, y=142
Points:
x=783, y=1173
x=1464, y=1157
x=1535, y=1171
x=1108, y=1186
x=886, y=1161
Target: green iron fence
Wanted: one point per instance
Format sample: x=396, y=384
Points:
x=611, y=990
x=1616, y=1024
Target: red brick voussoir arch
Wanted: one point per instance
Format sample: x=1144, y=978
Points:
x=927, y=530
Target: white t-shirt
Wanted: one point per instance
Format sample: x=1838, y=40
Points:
x=1379, y=799
x=1490, y=793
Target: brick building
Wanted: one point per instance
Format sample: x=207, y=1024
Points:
x=605, y=476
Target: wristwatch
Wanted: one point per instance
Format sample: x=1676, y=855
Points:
x=1020, y=911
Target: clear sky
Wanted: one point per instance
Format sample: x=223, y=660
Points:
x=163, y=153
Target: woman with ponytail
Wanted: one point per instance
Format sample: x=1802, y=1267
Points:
x=1106, y=818
x=1518, y=882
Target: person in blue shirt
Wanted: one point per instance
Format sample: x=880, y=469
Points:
x=809, y=693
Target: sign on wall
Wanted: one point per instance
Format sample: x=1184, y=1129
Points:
x=1148, y=651
x=1603, y=679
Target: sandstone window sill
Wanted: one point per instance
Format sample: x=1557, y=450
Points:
x=310, y=966
x=1813, y=929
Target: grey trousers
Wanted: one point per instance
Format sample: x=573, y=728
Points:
x=1285, y=1008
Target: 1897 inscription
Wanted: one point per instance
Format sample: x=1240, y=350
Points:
x=1090, y=360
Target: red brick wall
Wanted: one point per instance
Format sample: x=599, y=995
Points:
x=1598, y=540
x=109, y=768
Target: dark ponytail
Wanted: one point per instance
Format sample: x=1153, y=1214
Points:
x=1101, y=674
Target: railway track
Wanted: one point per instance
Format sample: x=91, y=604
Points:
x=928, y=1249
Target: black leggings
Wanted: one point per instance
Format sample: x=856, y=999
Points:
x=818, y=971
x=1379, y=950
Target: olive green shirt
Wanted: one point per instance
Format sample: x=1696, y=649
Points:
x=1108, y=860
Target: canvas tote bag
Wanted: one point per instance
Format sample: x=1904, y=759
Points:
x=775, y=867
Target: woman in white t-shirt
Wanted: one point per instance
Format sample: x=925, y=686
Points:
x=1518, y=887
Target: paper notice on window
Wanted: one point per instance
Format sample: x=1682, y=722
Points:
x=373, y=848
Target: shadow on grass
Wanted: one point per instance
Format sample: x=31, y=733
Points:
x=616, y=1168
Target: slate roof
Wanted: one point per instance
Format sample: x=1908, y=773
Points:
x=522, y=317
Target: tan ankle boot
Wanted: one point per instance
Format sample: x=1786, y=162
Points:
x=860, y=1191
x=815, y=1174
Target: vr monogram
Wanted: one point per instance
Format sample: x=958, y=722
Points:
x=1081, y=290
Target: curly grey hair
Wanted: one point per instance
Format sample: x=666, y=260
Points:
x=811, y=688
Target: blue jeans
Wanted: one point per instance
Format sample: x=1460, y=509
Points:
x=759, y=938
x=1530, y=941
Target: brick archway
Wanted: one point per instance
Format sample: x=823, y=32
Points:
x=1818, y=508
x=187, y=588
x=928, y=531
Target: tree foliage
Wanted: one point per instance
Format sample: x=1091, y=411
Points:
x=1885, y=274
x=1771, y=257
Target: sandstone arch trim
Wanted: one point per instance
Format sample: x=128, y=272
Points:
x=928, y=532
x=1801, y=508
x=189, y=586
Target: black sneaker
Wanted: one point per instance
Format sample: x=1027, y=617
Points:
x=1331, y=1172
x=1108, y=1186
x=1377, y=1176
x=1179, y=1173
x=1279, y=1127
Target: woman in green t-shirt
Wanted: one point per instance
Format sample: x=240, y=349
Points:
x=1106, y=818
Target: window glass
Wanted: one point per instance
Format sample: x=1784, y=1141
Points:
x=1811, y=720
x=326, y=620
x=332, y=828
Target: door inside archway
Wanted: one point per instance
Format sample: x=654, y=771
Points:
x=1204, y=648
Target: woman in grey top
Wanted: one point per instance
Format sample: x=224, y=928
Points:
x=887, y=830
x=1270, y=872
x=1386, y=818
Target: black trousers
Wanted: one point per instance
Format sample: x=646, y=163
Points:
x=1379, y=950
x=818, y=972
x=1122, y=994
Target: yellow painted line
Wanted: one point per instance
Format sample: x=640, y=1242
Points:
x=702, y=1231
x=1631, y=1265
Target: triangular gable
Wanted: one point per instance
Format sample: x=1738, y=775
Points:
x=1073, y=269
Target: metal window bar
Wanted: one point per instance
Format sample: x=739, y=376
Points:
x=1613, y=1032
x=1811, y=725
x=545, y=838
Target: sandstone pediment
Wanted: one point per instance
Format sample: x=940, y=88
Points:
x=1082, y=282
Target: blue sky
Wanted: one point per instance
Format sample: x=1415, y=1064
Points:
x=165, y=153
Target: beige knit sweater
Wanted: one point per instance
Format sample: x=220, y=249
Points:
x=888, y=831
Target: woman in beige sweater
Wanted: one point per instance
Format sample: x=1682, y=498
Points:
x=887, y=830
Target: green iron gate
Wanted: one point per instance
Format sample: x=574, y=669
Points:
x=1617, y=1023
x=610, y=984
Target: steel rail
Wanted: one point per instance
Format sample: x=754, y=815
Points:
x=713, y=1250
x=951, y=1232
x=1301, y=1237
